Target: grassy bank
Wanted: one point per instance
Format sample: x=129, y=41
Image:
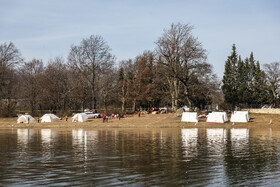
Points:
x=148, y=121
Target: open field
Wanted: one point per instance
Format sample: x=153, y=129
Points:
x=147, y=121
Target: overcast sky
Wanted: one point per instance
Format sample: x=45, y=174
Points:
x=44, y=29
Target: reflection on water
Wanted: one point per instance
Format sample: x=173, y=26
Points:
x=216, y=139
x=141, y=157
x=189, y=140
x=24, y=135
x=240, y=142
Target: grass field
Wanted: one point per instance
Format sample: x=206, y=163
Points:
x=147, y=121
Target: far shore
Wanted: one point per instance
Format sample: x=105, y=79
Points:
x=148, y=121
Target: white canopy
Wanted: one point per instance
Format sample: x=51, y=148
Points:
x=217, y=117
x=80, y=117
x=25, y=119
x=240, y=116
x=49, y=118
x=189, y=117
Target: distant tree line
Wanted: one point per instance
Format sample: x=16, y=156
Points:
x=245, y=84
x=176, y=73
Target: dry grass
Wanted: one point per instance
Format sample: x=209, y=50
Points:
x=147, y=121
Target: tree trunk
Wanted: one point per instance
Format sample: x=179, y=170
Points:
x=187, y=97
x=124, y=94
x=172, y=93
x=176, y=91
x=123, y=104
x=93, y=98
x=105, y=102
x=173, y=100
x=93, y=89
x=134, y=105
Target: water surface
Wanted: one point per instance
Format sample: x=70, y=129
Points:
x=140, y=157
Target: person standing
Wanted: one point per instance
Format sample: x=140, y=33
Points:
x=104, y=117
x=139, y=113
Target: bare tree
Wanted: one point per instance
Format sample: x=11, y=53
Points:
x=124, y=82
x=107, y=84
x=79, y=89
x=272, y=72
x=56, y=85
x=10, y=57
x=142, y=85
x=91, y=58
x=30, y=78
x=182, y=57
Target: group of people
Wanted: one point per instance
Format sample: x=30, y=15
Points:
x=106, y=118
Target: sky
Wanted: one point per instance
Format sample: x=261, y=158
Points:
x=47, y=29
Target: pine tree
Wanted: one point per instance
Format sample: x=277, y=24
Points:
x=260, y=91
x=230, y=79
x=121, y=74
x=242, y=82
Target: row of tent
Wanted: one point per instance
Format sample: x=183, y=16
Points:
x=218, y=117
x=80, y=117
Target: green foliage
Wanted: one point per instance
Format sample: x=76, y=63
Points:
x=121, y=74
x=260, y=94
x=244, y=83
x=230, y=79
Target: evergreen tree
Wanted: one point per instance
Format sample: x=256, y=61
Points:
x=121, y=74
x=251, y=76
x=260, y=90
x=230, y=79
x=242, y=82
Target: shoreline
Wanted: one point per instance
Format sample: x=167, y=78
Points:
x=148, y=121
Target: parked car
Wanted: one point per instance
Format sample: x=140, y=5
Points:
x=162, y=110
x=165, y=108
x=92, y=115
x=186, y=108
x=265, y=106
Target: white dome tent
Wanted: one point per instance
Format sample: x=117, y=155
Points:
x=49, y=118
x=26, y=119
x=80, y=117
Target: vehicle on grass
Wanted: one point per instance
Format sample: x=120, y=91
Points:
x=92, y=115
x=186, y=108
x=266, y=106
x=165, y=109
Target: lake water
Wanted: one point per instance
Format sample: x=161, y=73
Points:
x=140, y=157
